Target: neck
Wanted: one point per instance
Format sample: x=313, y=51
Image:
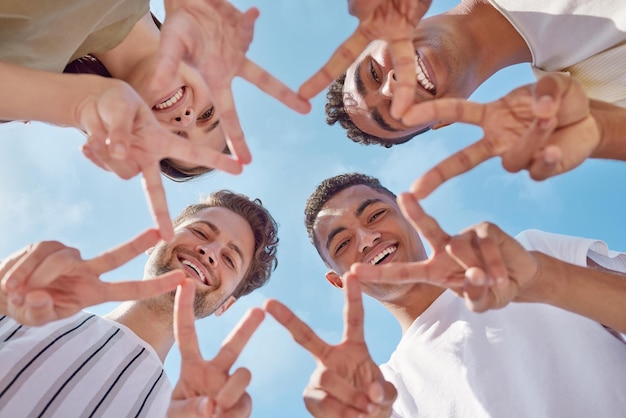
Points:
x=485, y=39
x=154, y=326
x=127, y=60
x=407, y=308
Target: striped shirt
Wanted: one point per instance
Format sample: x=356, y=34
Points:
x=82, y=366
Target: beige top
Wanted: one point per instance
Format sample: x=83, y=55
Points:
x=46, y=34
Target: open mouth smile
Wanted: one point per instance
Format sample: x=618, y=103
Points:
x=170, y=101
x=378, y=258
x=194, y=270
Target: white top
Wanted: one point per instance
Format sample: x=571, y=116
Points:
x=584, y=38
x=525, y=360
x=83, y=366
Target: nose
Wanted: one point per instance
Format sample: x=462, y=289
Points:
x=209, y=252
x=366, y=238
x=186, y=118
x=389, y=84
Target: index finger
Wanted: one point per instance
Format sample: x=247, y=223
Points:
x=184, y=317
x=448, y=110
x=336, y=65
x=353, y=311
x=122, y=254
x=458, y=163
x=427, y=226
x=273, y=86
x=230, y=124
x=199, y=154
x=403, y=58
x=155, y=193
x=238, y=338
x=301, y=332
x=140, y=289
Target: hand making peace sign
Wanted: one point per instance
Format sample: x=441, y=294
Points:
x=482, y=264
x=213, y=36
x=49, y=280
x=393, y=21
x=207, y=388
x=546, y=128
x=347, y=382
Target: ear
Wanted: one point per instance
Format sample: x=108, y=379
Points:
x=334, y=279
x=439, y=124
x=224, y=306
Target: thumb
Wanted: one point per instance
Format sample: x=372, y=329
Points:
x=382, y=393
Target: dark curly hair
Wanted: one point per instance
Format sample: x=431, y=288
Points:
x=336, y=112
x=263, y=226
x=327, y=189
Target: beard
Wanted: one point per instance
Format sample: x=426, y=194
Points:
x=162, y=261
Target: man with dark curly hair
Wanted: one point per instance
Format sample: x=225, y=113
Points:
x=460, y=49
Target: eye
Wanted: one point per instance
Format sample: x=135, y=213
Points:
x=200, y=233
x=377, y=215
x=208, y=114
x=341, y=246
x=373, y=72
x=229, y=261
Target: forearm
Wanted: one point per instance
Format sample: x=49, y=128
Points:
x=611, y=121
x=598, y=295
x=45, y=96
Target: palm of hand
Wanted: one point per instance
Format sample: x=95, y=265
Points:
x=199, y=377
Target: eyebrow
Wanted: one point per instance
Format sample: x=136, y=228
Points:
x=212, y=126
x=360, y=85
x=231, y=245
x=358, y=212
x=378, y=118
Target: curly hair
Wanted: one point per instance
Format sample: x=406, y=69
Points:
x=327, y=189
x=264, y=228
x=336, y=112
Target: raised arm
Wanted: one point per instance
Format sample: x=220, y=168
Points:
x=49, y=280
x=346, y=382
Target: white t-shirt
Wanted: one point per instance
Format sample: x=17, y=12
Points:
x=525, y=360
x=81, y=366
x=585, y=38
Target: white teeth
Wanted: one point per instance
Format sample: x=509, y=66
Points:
x=196, y=269
x=383, y=254
x=171, y=101
x=423, y=78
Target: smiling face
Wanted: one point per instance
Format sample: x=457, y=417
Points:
x=441, y=71
x=180, y=108
x=215, y=248
x=361, y=224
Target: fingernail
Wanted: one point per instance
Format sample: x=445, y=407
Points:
x=118, y=151
x=371, y=408
x=477, y=280
x=202, y=406
x=16, y=299
x=501, y=281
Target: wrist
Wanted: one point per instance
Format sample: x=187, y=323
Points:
x=542, y=285
x=610, y=121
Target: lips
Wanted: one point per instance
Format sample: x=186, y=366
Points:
x=171, y=100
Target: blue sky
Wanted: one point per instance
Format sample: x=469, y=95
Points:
x=51, y=192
